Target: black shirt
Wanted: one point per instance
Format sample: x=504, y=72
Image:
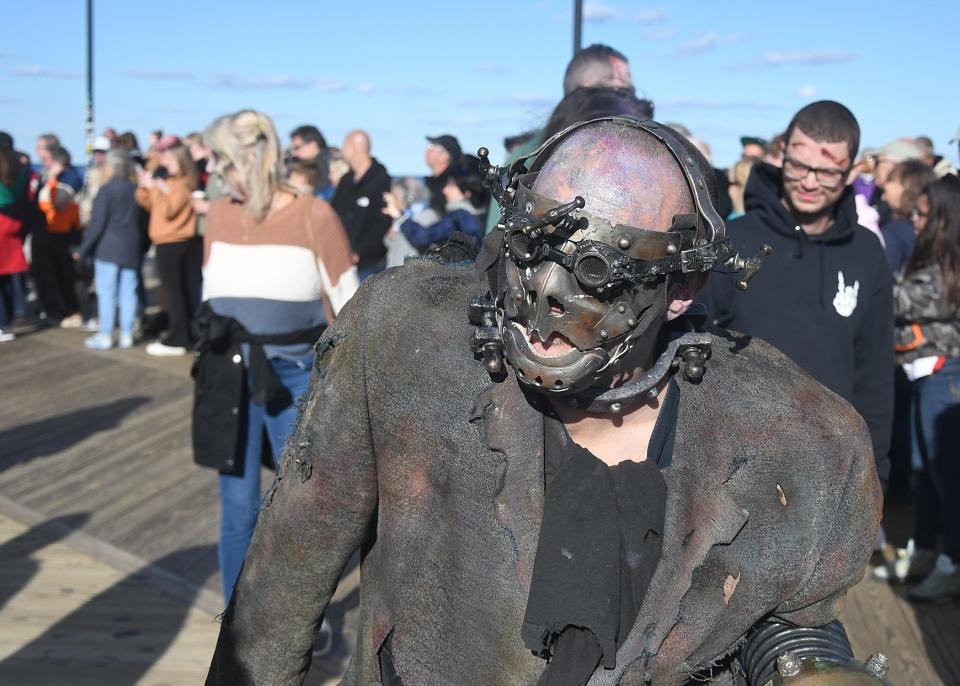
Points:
x=599, y=546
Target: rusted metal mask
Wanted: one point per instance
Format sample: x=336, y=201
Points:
x=563, y=270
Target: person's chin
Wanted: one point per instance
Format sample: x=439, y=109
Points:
x=807, y=204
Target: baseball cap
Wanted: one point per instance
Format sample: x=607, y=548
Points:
x=101, y=143
x=900, y=150
x=448, y=143
x=753, y=140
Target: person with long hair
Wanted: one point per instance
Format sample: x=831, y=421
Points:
x=900, y=192
x=115, y=238
x=927, y=305
x=173, y=229
x=277, y=268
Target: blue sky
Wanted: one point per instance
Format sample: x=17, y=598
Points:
x=479, y=70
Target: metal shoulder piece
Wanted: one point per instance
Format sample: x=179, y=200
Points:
x=780, y=654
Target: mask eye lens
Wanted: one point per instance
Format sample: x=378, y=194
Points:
x=592, y=270
x=521, y=246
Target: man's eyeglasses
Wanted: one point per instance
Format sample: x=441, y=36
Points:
x=828, y=178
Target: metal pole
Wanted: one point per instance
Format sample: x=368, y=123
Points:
x=89, y=83
x=577, y=24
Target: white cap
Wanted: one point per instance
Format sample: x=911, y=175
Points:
x=101, y=143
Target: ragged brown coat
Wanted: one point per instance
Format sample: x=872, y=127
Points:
x=406, y=444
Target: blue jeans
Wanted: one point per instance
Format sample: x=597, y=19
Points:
x=240, y=495
x=371, y=269
x=115, y=285
x=936, y=455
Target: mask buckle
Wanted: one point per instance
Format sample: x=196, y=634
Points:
x=487, y=341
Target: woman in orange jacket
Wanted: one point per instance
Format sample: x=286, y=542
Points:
x=173, y=229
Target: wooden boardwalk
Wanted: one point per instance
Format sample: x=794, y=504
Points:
x=108, y=567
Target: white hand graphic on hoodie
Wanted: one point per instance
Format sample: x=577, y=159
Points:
x=845, y=301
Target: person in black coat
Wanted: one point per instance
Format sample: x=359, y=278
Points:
x=358, y=202
x=114, y=238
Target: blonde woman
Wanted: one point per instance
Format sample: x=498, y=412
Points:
x=277, y=268
x=173, y=229
x=739, y=175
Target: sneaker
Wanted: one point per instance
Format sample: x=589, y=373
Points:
x=323, y=641
x=158, y=349
x=126, y=341
x=98, y=342
x=74, y=321
x=6, y=336
x=92, y=325
x=943, y=583
x=908, y=564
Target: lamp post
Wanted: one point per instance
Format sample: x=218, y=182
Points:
x=89, y=83
x=577, y=24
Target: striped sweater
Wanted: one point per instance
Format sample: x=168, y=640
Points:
x=279, y=275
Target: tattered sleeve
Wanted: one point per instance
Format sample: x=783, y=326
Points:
x=317, y=513
x=845, y=547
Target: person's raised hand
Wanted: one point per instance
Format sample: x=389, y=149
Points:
x=390, y=207
x=145, y=179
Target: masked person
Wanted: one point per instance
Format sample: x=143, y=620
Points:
x=594, y=490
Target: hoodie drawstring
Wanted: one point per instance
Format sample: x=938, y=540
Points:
x=820, y=272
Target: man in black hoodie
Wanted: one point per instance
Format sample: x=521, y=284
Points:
x=824, y=297
x=358, y=202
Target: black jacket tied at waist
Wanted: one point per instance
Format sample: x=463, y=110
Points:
x=218, y=373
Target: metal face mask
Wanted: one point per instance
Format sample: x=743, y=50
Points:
x=570, y=291
x=571, y=306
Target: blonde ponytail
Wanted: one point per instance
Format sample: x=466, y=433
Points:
x=248, y=141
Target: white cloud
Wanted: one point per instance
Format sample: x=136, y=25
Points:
x=516, y=100
x=707, y=42
x=159, y=74
x=704, y=43
x=599, y=12
x=808, y=57
x=778, y=58
x=807, y=91
x=650, y=15
x=275, y=81
x=36, y=71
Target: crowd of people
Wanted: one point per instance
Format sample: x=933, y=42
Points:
x=257, y=248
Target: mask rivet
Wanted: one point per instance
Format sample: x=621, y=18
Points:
x=624, y=243
x=689, y=160
x=528, y=207
x=653, y=393
x=631, y=322
x=616, y=408
x=700, y=182
x=518, y=297
x=621, y=308
x=604, y=334
x=671, y=249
